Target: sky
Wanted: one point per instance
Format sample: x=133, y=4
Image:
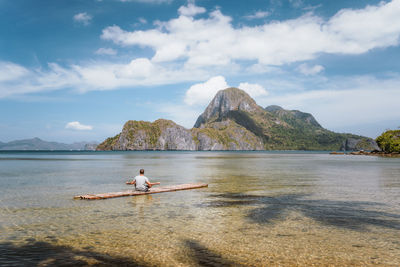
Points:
x=73, y=70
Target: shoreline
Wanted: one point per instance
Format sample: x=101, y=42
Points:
x=366, y=153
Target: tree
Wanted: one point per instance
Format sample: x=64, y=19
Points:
x=389, y=141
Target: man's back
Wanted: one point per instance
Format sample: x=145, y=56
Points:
x=141, y=182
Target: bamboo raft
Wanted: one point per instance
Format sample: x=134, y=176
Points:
x=152, y=190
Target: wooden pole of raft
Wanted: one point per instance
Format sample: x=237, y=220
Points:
x=131, y=182
x=137, y=193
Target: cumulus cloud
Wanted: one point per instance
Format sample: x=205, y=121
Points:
x=76, y=125
x=106, y=51
x=253, y=89
x=258, y=15
x=83, y=18
x=202, y=93
x=309, y=70
x=191, y=10
x=215, y=41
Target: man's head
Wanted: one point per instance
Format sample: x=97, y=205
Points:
x=141, y=171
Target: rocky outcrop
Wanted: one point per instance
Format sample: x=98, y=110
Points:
x=158, y=135
x=225, y=101
x=226, y=135
x=284, y=114
x=357, y=144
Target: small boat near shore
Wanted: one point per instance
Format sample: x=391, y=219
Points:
x=152, y=190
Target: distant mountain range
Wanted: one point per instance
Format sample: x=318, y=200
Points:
x=38, y=144
x=233, y=121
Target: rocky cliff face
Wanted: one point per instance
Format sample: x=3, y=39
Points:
x=225, y=101
x=226, y=135
x=159, y=135
x=233, y=121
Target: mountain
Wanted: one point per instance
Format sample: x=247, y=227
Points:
x=38, y=144
x=142, y=135
x=234, y=121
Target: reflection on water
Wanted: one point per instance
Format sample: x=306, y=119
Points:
x=348, y=214
x=259, y=209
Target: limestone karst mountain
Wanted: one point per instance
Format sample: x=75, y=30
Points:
x=234, y=121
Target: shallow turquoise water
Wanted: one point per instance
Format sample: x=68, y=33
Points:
x=261, y=208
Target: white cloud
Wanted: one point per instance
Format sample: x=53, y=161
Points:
x=10, y=71
x=25, y=81
x=309, y=70
x=258, y=15
x=253, y=89
x=190, y=49
x=92, y=76
x=137, y=68
x=215, y=41
x=202, y=93
x=76, y=125
x=191, y=10
x=83, y=18
x=106, y=51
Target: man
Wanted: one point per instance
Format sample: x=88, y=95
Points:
x=141, y=182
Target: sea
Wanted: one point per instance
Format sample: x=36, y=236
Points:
x=275, y=208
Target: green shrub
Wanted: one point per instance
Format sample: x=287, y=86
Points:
x=389, y=141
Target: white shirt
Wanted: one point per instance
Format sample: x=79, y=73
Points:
x=141, y=182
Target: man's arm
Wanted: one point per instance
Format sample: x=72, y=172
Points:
x=131, y=182
x=151, y=184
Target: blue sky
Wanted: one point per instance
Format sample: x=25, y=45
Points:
x=78, y=70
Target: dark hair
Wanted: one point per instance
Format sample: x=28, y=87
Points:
x=141, y=171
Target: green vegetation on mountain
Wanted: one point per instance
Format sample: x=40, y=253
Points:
x=233, y=121
x=143, y=135
x=109, y=143
x=389, y=141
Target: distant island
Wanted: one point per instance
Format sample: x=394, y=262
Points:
x=39, y=144
x=233, y=121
